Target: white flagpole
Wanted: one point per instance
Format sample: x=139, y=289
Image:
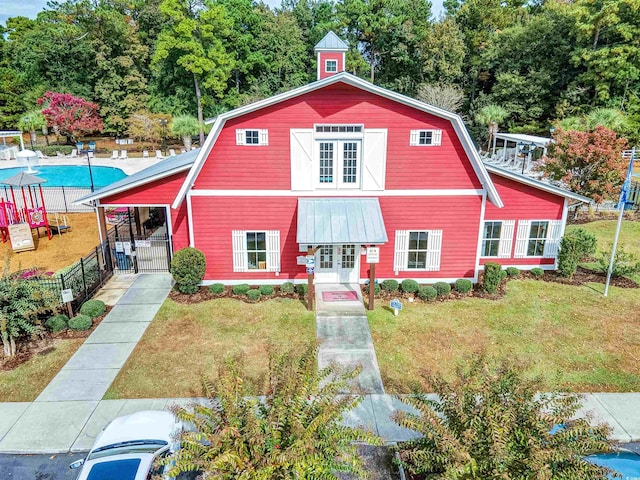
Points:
x=621, y=203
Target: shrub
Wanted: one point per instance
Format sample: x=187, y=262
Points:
x=443, y=288
x=410, y=286
x=491, y=407
x=390, y=285
x=291, y=432
x=376, y=289
x=287, y=287
x=216, y=288
x=503, y=274
x=188, y=267
x=624, y=263
x=427, y=292
x=253, y=294
x=52, y=150
x=575, y=246
x=463, y=285
x=80, y=322
x=512, y=272
x=492, y=277
x=93, y=308
x=266, y=290
x=241, y=289
x=537, y=272
x=302, y=288
x=57, y=323
x=587, y=242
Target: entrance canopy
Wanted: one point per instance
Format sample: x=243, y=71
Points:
x=324, y=221
x=540, y=142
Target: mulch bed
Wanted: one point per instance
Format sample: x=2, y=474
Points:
x=584, y=275
x=205, y=294
x=44, y=343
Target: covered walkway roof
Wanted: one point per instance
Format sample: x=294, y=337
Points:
x=524, y=138
x=324, y=221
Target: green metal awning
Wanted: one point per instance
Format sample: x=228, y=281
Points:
x=323, y=221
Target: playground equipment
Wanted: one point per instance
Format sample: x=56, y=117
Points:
x=17, y=220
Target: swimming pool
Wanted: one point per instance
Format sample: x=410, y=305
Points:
x=70, y=175
x=626, y=464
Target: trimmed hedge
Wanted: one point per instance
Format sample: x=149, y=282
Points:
x=492, y=277
x=241, y=289
x=216, y=288
x=390, y=285
x=442, y=288
x=463, y=285
x=253, y=294
x=503, y=274
x=537, y=272
x=57, y=323
x=512, y=272
x=80, y=322
x=302, y=288
x=427, y=292
x=266, y=290
x=287, y=287
x=52, y=150
x=376, y=289
x=410, y=286
x=187, y=268
x=93, y=308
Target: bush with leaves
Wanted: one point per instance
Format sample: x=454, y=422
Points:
x=409, y=286
x=294, y=432
x=463, y=285
x=624, y=263
x=442, y=288
x=57, y=323
x=253, y=294
x=492, y=277
x=287, y=287
x=537, y=272
x=21, y=302
x=241, y=289
x=575, y=246
x=376, y=288
x=80, y=322
x=187, y=268
x=427, y=292
x=490, y=422
x=512, y=272
x=93, y=308
x=266, y=290
x=390, y=285
x=216, y=288
x=302, y=288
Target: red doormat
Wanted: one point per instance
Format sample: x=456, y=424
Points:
x=339, y=296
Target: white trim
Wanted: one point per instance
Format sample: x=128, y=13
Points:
x=241, y=137
x=169, y=224
x=563, y=228
x=526, y=267
x=422, y=280
x=336, y=193
x=354, y=81
x=436, y=138
x=505, y=243
x=192, y=239
x=344, y=61
x=537, y=184
x=326, y=64
x=480, y=236
x=118, y=205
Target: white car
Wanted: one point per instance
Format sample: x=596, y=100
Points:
x=127, y=447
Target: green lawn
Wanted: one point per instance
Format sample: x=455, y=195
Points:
x=25, y=382
x=186, y=342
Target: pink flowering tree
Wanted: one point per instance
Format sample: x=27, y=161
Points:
x=588, y=163
x=69, y=115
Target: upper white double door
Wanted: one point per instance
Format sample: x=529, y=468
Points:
x=337, y=264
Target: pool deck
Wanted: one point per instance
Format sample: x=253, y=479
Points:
x=128, y=166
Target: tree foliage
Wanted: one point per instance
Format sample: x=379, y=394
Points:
x=589, y=163
x=490, y=422
x=185, y=126
x=294, y=432
x=70, y=115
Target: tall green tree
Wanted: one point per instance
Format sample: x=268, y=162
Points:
x=32, y=121
x=196, y=32
x=491, y=116
x=185, y=126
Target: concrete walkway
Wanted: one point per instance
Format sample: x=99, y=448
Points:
x=343, y=332
x=61, y=411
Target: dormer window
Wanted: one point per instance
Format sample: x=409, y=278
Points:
x=425, y=138
x=252, y=137
x=331, y=66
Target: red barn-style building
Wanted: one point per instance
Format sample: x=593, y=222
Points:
x=339, y=165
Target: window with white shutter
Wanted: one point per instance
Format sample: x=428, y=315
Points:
x=538, y=238
x=252, y=137
x=256, y=250
x=554, y=234
x=417, y=250
x=506, y=238
x=522, y=238
x=425, y=138
x=497, y=238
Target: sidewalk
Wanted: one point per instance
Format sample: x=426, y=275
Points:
x=61, y=411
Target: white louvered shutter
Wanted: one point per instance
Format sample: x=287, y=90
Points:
x=239, y=251
x=273, y=250
x=414, y=138
x=263, y=137
x=434, y=248
x=400, y=253
x=506, y=238
x=522, y=238
x=301, y=159
x=374, y=159
x=436, y=138
x=240, y=136
x=553, y=239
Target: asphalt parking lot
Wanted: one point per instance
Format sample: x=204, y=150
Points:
x=38, y=467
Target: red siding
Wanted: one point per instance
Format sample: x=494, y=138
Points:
x=230, y=166
x=323, y=56
x=215, y=217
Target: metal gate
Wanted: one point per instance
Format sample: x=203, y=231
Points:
x=132, y=253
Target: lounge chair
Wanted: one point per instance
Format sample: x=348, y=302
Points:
x=159, y=155
x=114, y=155
x=123, y=155
x=172, y=152
x=183, y=150
x=145, y=154
x=59, y=155
x=74, y=153
x=41, y=156
x=59, y=224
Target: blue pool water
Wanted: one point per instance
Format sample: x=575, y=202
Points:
x=70, y=175
x=625, y=463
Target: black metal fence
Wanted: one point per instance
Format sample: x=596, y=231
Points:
x=145, y=253
x=56, y=199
